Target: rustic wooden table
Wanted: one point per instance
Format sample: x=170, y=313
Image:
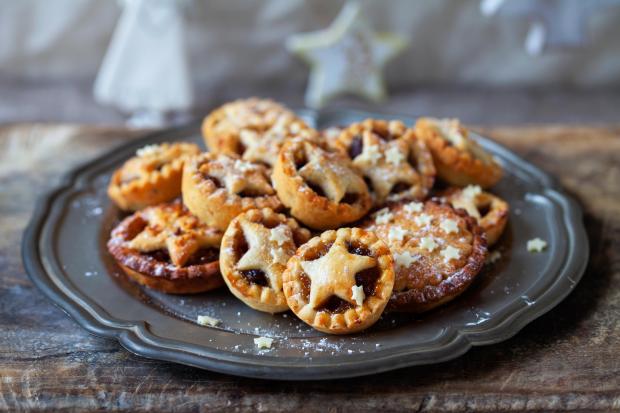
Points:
x=568, y=359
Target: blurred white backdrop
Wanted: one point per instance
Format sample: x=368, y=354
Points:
x=236, y=47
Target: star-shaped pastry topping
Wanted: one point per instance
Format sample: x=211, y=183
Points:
x=329, y=172
x=334, y=273
x=181, y=234
x=383, y=163
x=262, y=254
x=428, y=243
x=536, y=245
x=383, y=216
x=238, y=176
x=263, y=146
x=347, y=57
x=450, y=253
x=422, y=220
x=280, y=234
x=357, y=293
x=397, y=233
x=413, y=207
x=404, y=259
x=449, y=226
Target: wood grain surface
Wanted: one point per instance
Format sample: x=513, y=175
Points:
x=568, y=359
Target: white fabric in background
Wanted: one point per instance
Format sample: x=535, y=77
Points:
x=241, y=42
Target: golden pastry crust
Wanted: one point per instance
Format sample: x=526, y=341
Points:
x=438, y=251
x=459, y=159
x=320, y=187
x=254, y=252
x=341, y=281
x=217, y=188
x=489, y=210
x=254, y=129
x=396, y=164
x=168, y=249
x=151, y=177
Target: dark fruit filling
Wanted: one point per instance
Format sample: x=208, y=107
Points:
x=356, y=147
x=400, y=187
x=255, y=277
x=316, y=189
x=484, y=209
x=368, y=280
x=350, y=198
x=300, y=161
x=335, y=305
x=216, y=182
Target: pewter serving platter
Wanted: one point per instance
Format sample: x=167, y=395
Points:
x=64, y=253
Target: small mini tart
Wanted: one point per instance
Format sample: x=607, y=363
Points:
x=166, y=248
x=341, y=281
x=459, y=159
x=437, y=250
x=396, y=164
x=255, y=249
x=217, y=188
x=321, y=188
x=489, y=210
x=252, y=128
x=151, y=177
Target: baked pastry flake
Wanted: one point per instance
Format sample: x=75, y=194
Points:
x=255, y=249
x=168, y=249
x=437, y=250
x=341, y=281
x=151, y=177
x=459, y=160
x=217, y=188
x=396, y=164
x=320, y=187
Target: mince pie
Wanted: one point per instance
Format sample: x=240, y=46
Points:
x=254, y=252
x=395, y=163
x=151, y=177
x=321, y=188
x=217, y=188
x=341, y=281
x=166, y=248
x=459, y=159
x=437, y=250
x=253, y=128
x=490, y=211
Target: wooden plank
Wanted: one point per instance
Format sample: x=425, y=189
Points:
x=567, y=359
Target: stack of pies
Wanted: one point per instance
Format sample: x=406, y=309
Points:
x=337, y=225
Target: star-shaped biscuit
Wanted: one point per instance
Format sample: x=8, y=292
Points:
x=262, y=252
x=333, y=176
x=334, y=273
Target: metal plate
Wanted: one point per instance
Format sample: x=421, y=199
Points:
x=64, y=253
